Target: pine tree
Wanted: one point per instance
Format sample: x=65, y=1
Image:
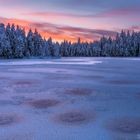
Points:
x=20, y=43
x=50, y=46
x=56, y=50
x=30, y=43
x=38, y=42
x=5, y=47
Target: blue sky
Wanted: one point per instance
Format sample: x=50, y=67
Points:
x=63, y=16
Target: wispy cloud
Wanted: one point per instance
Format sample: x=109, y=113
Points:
x=61, y=32
x=118, y=12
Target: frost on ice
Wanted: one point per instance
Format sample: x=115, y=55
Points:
x=82, y=100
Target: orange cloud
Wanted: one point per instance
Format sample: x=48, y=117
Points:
x=59, y=32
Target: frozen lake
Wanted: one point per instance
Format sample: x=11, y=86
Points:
x=70, y=99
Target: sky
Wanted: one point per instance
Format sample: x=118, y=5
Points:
x=71, y=19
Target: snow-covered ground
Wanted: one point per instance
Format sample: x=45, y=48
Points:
x=70, y=99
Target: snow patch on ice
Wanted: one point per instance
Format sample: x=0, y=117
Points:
x=125, y=125
x=45, y=62
x=79, y=91
x=8, y=119
x=74, y=117
x=44, y=103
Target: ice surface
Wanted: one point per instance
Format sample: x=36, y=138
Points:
x=55, y=62
x=70, y=99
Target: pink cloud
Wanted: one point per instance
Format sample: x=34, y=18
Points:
x=108, y=13
x=60, y=32
x=122, y=12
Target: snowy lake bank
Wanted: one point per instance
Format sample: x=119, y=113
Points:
x=70, y=99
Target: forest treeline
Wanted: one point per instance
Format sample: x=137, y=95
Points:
x=15, y=43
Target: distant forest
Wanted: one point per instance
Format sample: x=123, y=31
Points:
x=15, y=43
